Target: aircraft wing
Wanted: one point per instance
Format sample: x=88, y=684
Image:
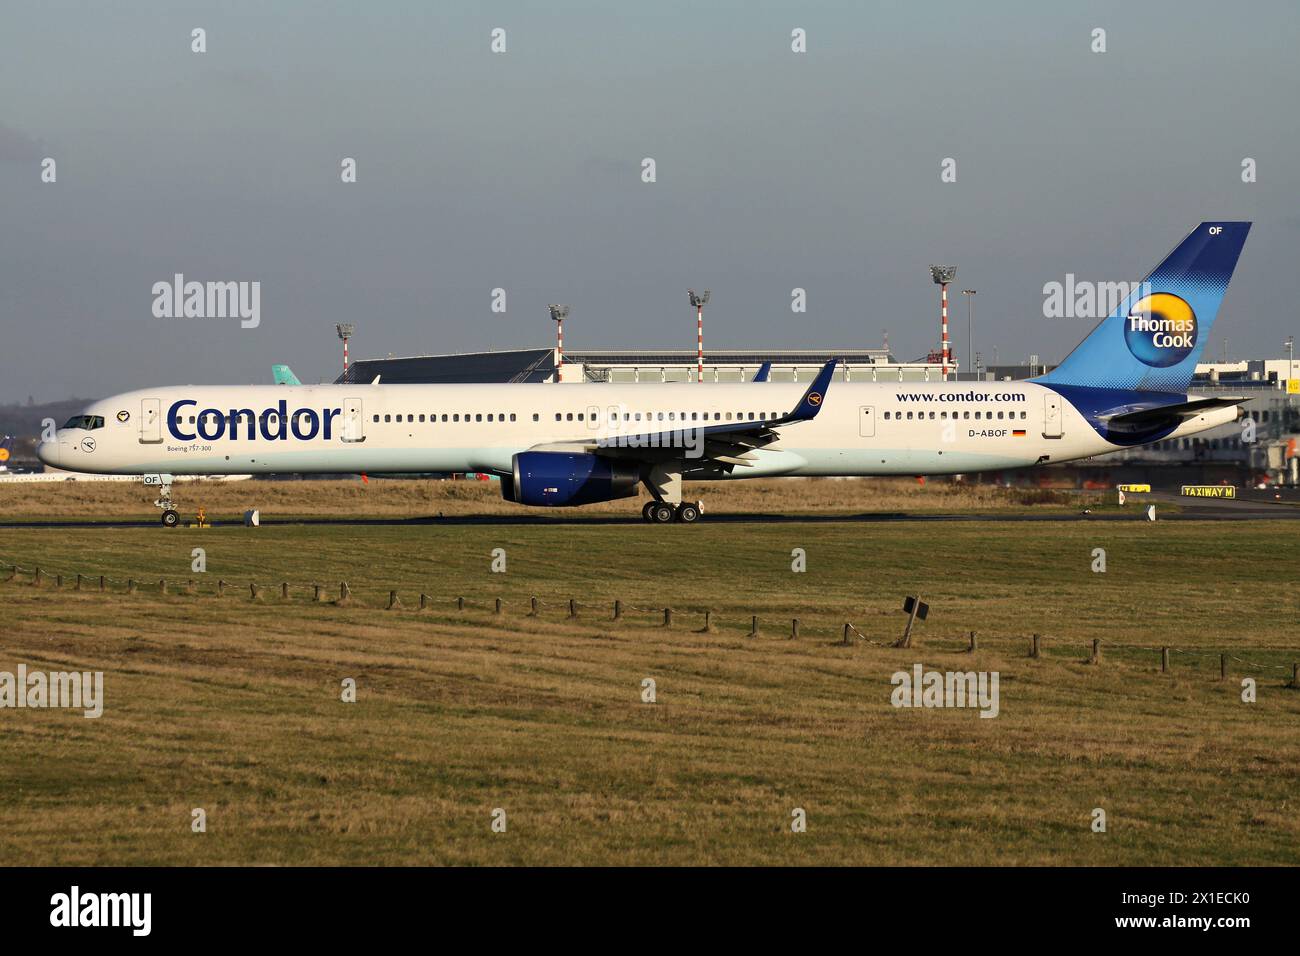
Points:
x=728, y=443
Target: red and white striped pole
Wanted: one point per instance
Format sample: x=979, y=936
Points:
x=558, y=312
x=345, y=356
x=944, y=296
x=699, y=342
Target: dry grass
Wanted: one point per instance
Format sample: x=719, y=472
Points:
x=233, y=705
x=410, y=498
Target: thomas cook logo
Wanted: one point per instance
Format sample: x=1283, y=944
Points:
x=1160, y=330
x=814, y=398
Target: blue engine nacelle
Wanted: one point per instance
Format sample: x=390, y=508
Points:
x=558, y=479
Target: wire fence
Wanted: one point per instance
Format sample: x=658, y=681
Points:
x=343, y=595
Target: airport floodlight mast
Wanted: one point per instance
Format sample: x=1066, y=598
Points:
x=345, y=331
x=558, y=314
x=942, y=275
x=1290, y=357
x=699, y=301
x=970, y=344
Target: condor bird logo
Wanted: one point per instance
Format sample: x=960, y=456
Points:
x=814, y=398
x=123, y=415
x=1160, y=330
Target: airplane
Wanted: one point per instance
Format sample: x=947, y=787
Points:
x=579, y=443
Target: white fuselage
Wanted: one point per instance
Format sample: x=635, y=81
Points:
x=862, y=428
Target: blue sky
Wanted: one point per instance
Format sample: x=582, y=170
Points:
x=522, y=171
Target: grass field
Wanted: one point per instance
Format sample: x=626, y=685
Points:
x=233, y=705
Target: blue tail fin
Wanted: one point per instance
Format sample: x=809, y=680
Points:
x=6, y=450
x=1153, y=341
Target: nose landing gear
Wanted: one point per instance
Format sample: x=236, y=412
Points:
x=170, y=516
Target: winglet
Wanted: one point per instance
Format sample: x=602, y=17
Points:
x=764, y=373
x=814, y=398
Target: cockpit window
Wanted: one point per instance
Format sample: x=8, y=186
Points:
x=87, y=422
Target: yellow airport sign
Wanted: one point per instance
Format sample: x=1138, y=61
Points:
x=1135, y=489
x=1209, y=491
x=1293, y=386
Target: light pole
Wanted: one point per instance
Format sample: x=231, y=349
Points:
x=558, y=314
x=345, y=331
x=1290, y=357
x=942, y=275
x=970, y=343
x=699, y=301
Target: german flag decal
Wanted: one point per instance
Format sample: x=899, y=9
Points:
x=1018, y=432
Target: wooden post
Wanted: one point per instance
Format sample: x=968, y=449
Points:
x=130, y=585
x=58, y=580
x=532, y=606
x=845, y=641
x=315, y=592
x=460, y=604
x=573, y=608
x=393, y=601
x=1295, y=674
x=345, y=592
x=162, y=585
x=971, y=649
x=284, y=590
x=668, y=617
x=254, y=592
x=1223, y=667
x=1033, y=647
x=708, y=622
x=1096, y=651
x=1164, y=660
x=618, y=609
x=221, y=588
x=911, y=619
x=36, y=581
x=102, y=583
x=78, y=582
x=794, y=629
x=424, y=600
x=189, y=587
x=753, y=625
x=497, y=609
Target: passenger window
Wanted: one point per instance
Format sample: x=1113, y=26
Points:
x=376, y=418
x=535, y=418
x=444, y=416
x=557, y=416
x=579, y=416
x=387, y=418
x=569, y=417
x=512, y=416
x=478, y=417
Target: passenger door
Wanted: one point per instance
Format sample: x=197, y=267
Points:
x=354, y=421
x=1052, y=416
x=150, y=421
x=867, y=421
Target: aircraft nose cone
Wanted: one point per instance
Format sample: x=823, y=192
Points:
x=48, y=452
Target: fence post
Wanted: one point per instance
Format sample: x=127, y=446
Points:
x=189, y=587
x=753, y=626
x=1033, y=647
x=393, y=601
x=254, y=592
x=102, y=585
x=668, y=617
x=532, y=606
x=315, y=591
x=497, y=609
x=345, y=592
x=845, y=640
x=794, y=629
x=1164, y=660
x=573, y=608
x=460, y=604
x=78, y=582
x=708, y=621
x=221, y=588
x=1295, y=674
x=618, y=609
x=58, y=580
x=1096, y=651
x=36, y=580
x=130, y=585
x=424, y=600
x=284, y=590
x=971, y=649
x=162, y=585
x=1223, y=667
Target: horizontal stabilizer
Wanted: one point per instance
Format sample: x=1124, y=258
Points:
x=1144, y=415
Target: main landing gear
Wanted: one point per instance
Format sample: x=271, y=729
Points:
x=661, y=512
x=666, y=485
